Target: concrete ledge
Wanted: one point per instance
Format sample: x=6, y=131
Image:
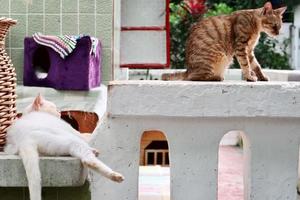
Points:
x=230, y=74
x=204, y=99
x=56, y=171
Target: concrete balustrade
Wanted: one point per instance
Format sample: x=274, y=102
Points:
x=195, y=116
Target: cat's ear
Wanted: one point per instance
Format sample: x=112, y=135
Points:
x=267, y=9
x=38, y=101
x=280, y=11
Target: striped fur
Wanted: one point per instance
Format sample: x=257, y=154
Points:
x=214, y=41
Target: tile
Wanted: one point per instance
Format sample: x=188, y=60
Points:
x=4, y=15
x=87, y=6
x=17, y=33
x=52, y=6
x=104, y=7
x=105, y=36
x=36, y=6
x=35, y=24
x=52, y=25
x=18, y=6
x=17, y=57
x=4, y=8
x=106, y=65
x=7, y=43
x=104, y=29
x=69, y=6
x=104, y=21
x=70, y=24
x=87, y=25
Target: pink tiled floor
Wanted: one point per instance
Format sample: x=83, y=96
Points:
x=230, y=184
x=154, y=181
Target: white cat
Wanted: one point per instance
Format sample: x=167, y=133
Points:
x=41, y=131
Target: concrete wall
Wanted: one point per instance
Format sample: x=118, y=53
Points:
x=195, y=116
x=56, y=17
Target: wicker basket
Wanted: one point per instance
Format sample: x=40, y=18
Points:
x=7, y=83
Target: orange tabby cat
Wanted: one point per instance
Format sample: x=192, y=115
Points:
x=214, y=41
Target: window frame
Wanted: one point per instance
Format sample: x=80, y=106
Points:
x=166, y=29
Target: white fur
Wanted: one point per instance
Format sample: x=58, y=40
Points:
x=41, y=131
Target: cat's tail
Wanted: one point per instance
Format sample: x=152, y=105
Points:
x=30, y=159
x=173, y=76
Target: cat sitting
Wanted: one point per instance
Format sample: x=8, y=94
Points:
x=214, y=41
x=41, y=131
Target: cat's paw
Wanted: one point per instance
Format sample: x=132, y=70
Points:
x=264, y=78
x=251, y=78
x=117, y=177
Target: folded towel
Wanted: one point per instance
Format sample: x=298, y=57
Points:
x=63, y=44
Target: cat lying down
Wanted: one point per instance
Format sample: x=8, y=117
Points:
x=41, y=131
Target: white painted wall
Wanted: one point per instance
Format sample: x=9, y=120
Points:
x=143, y=12
x=143, y=47
x=118, y=73
x=138, y=47
x=295, y=39
x=195, y=116
x=147, y=46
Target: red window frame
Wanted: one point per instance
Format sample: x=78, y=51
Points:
x=165, y=28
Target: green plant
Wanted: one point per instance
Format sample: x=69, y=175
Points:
x=219, y=9
x=182, y=15
x=270, y=54
x=241, y=4
x=179, y=32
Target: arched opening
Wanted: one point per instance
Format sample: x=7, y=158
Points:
x=41, y=62
x=154, y=171
x=231, y=169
